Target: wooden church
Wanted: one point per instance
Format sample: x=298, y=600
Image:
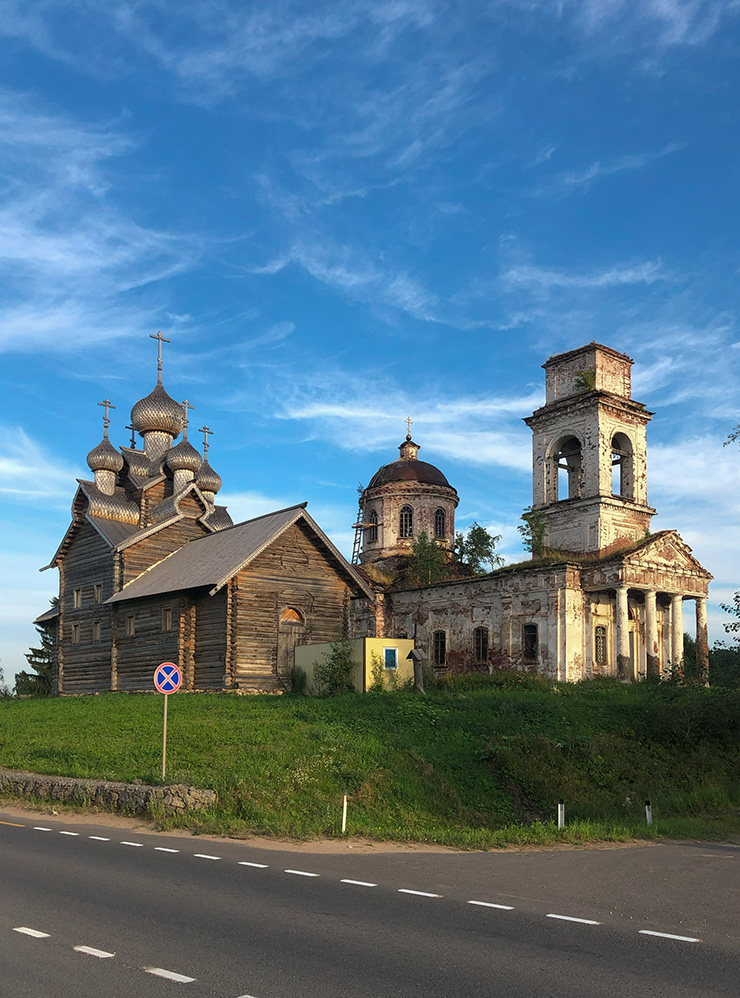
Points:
x=152, y=569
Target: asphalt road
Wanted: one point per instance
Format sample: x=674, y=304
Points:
x=111, y=910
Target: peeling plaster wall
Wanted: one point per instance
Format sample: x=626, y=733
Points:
x=424, y=500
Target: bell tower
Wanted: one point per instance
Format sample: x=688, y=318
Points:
x=589, y=452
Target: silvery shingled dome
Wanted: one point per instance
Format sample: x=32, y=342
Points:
x=105, y=457
x=207, y=479
x=157, y=412
x=184, y=457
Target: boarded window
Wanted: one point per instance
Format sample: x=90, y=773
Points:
x=96, y=630
x=98, y=592
x=600, y=645
x=529, y=642
x=390, y=658
x=77, y=599
x=480, y=644
x=372, y=532
x=406, y=522
x=75, y=634
x=440, y=523
x=130, y=625
x=439, y=648
x=166, y=618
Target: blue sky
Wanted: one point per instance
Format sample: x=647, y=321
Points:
x=345, y=213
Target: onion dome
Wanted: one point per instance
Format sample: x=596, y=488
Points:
x=207, y=479
x=105, y=457
x=184, y=457
x=158, y=412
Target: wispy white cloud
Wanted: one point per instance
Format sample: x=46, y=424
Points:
x=68, y=255
x=531, y=276
x=570, y=182
x=29, y=471
x=653, y=23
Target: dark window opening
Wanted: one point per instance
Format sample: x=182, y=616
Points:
x=406, y=522
x=166, y=618
x=98, y=592
x=440, y=523
x=75, y=634
x=622, y=468
x=130, y=626
x=480, y=636
x=439, y=648
x=371, y=533
x=600, y=645
x=77, y=599
x=96, y=630
x=567, y=469
x=529, y=642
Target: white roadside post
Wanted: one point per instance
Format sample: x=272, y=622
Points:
x=167, y=679
x=561, y=813
x=344, y=813
x=648, y=812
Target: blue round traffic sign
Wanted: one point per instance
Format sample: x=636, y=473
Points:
x=167, y=677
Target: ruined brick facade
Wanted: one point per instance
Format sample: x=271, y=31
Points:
x=608, y=597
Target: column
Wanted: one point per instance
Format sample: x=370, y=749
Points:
x=677, y=633
x=702, y=642
x=651, y=635
x=624, y=665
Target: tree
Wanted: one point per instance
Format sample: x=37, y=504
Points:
x=734, y=609
x=427, y=563
x=477, y=549
x=41, y=661
x=5, y=693
x=532, y=531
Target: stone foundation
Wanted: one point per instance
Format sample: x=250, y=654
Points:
x=130, y=798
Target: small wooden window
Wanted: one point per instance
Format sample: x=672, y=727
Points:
x=439, y=648
x=130, y=625
x=529, y=642
x=600, y=645
x=406, y=522
x=75, y=634
x=372, y=532
x=166, y=618
x=77, y=599
x=96, y=630
x=98, y=592
x=440, y=523
x=480, y=641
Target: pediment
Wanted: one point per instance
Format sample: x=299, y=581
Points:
x=665, y=551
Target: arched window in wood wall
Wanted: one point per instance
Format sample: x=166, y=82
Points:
x=290, y=616
x=440, y=523
x=406, y=522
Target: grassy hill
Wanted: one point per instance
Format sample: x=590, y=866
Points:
x=479, y=763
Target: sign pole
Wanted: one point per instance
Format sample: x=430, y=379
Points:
x=164, y=735
x=167, y=679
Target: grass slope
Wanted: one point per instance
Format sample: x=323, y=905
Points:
x=474, y=765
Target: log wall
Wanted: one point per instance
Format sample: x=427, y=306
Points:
x=139, y=557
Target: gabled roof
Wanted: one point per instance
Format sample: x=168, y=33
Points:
x=47, y=616
x=211, y=561
x=666, y=547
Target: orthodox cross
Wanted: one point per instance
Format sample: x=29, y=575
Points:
x=133, y=437
x=186, y=405
x=409, y=423
x=161, y=339
x=106, y=422
x=206, y=433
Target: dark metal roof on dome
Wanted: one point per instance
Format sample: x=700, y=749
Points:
x=408, y=471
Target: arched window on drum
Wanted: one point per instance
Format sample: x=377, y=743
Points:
x=440, y=523
x=406, y=522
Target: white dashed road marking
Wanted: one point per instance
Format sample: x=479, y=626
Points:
x=38, y=828
x=69, y=833
x=259, y=866
x=358, y=883
x=421, y=894
x=137, y=844
x=667, y=935
x=302, y=873
x=98, y=838
x=490, y=904
x=164, y=849
x=93, y=952
x=570, y=918
x=169, y=974
x=202, y=855
x=32, y=932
